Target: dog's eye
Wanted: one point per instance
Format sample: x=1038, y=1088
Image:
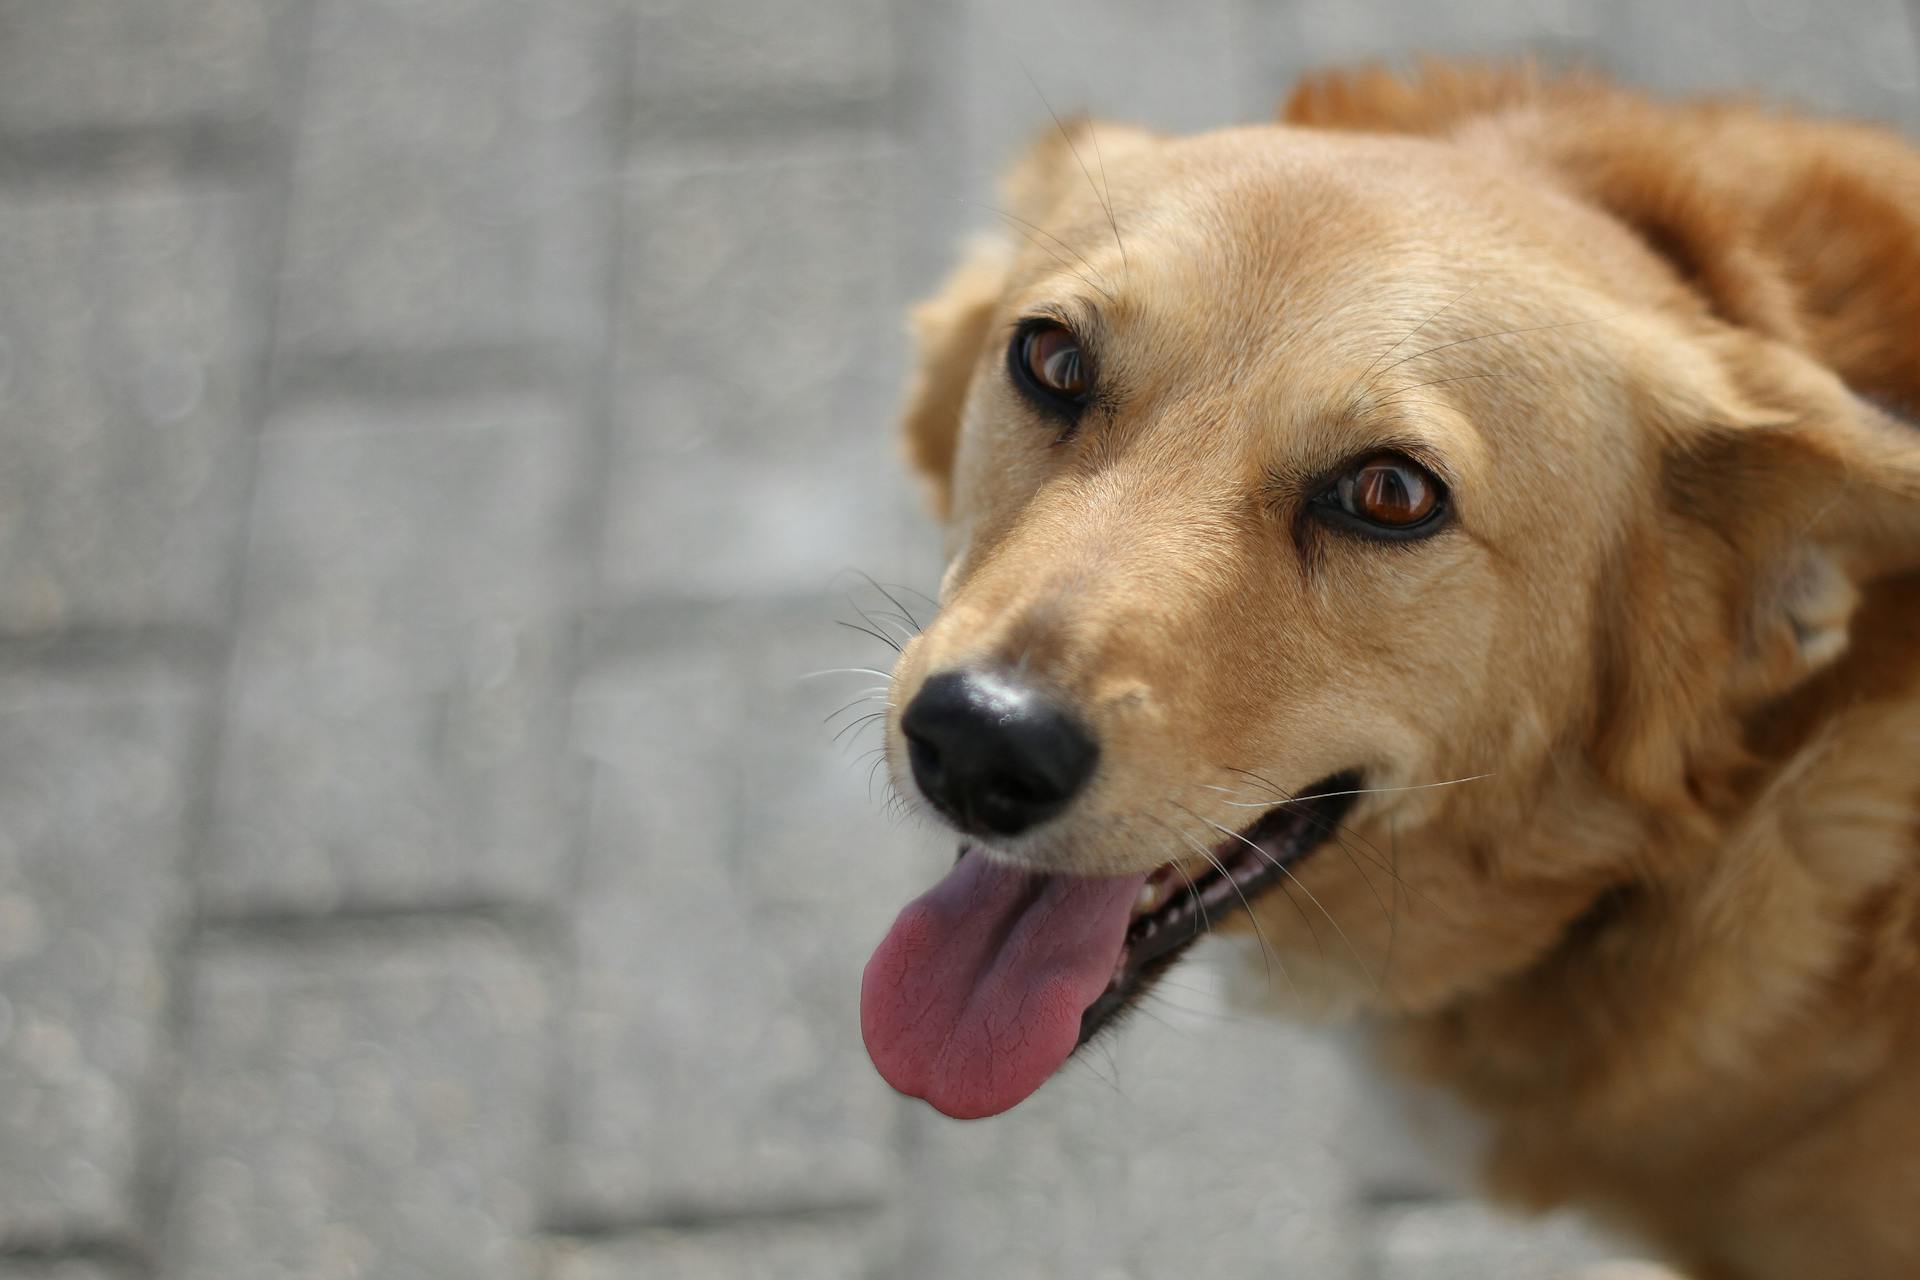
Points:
x=1049, y=364
x=1387, y=493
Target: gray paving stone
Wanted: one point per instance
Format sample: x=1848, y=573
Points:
x=1408, y=1141
x=1195, y=1141
x=741, y=1084
x=127, y=345
x=1175, y=68
x=83, y=65
x=394, y=711
x=447, y=186
x=761, y=346
x=1852, y=56
x=1461, y=1240
x=750, y=58
x=360, y=1106
x=830, y=1249
x=62, y=1269
x=1316, y=34
x=94, y=790
x=820, y=859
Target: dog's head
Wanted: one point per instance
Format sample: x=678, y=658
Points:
x=1374, y=533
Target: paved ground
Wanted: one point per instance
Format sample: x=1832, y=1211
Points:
x=432, y=436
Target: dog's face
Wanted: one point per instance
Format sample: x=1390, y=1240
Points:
x=1318, y=505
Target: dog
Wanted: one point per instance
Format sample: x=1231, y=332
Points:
x=1465, y=539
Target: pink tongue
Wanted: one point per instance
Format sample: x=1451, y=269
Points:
x=974, y=997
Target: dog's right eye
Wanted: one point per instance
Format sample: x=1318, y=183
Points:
x=1386, y=495
x=1048, y=364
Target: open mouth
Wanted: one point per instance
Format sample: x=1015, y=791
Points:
x=1172, y=911
x=990, y=980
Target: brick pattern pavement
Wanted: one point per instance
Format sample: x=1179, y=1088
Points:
x=433, y=437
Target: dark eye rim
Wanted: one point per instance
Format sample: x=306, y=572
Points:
x=1043, y=397
x=1326, y=506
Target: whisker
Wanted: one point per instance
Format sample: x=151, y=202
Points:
x=1288, y=797
x=1068, y=138
x=1205, y=925
x=867, y=631
x=1367, y=381
x=1284, y=870
x=908, y=632
x=1357, y=791
x=855, y=723
x=932, y=602
x=1093, y=133
x=1031, y=231
x=1320, y=823
x=1365, y=879
x=1482, y=337
x=846, y=671
x=1298, y=909
x=868, y=617
x=1375, y=856
x=870, y=696
x=891, y=598
x=1465, y=377
x=1269, y=959
x=880, y=759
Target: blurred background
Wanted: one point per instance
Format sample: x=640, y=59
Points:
x=436, y=436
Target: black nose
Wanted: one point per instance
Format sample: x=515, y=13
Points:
x=993, y=754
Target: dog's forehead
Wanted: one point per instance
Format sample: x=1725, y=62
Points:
x=1253, y=204
x=1268, y=235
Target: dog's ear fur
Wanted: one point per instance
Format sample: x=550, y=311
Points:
x=1757, y=248
x=1781, y=496
x=1432, y=99
x=950, y=328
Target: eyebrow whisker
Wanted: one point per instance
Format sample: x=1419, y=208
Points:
x=1465, y=377
x=1481, y=337
x=1032, y=232
x=1093, y=133
x=1067, y=137
x=1367, y=380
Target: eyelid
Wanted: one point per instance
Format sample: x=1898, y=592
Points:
x=1313, y=477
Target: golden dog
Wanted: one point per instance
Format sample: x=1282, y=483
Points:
x=1475, y=524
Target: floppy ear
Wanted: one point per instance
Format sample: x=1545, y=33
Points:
x=949, y=331
x=1782, y=497
x=1431, y=99
x=950, y=328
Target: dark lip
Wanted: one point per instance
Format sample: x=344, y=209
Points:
x=1257, y=859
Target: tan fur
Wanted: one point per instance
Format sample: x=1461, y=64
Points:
x=1669, y=944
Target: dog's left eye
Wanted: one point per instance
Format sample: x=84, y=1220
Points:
x=1050, y=366
x=1387, y=494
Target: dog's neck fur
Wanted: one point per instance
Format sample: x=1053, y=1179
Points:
x=1769, y=933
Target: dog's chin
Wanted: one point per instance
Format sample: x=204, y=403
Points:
x=987, y=983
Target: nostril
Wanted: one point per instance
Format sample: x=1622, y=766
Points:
x=924, y=756
x=995, y=754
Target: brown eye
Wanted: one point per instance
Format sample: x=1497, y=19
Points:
x=1388, y=492
x=1050, y=365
